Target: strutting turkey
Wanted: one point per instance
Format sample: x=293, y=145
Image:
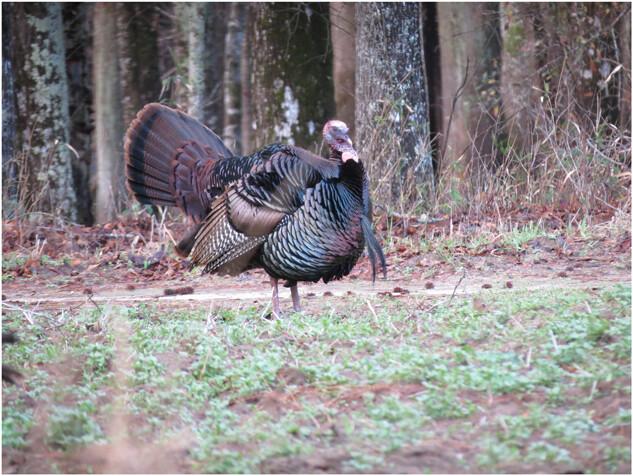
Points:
x=299, y=216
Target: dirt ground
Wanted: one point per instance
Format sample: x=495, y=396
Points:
x=115, y=269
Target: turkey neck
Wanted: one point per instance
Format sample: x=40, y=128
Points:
x=353, y=177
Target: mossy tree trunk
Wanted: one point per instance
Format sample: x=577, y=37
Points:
x=78, y=37
x=291, y=79
x=343, y=32
x=469, y=35
x=41, y=88
x=392, y=117
x=110, y=175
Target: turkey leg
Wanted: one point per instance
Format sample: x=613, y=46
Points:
x=276, y=310
x=296, y=303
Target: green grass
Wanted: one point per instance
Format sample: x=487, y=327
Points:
x=519, y=379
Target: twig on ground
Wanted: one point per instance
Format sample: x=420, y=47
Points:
x=456, y=286
x=95, y=304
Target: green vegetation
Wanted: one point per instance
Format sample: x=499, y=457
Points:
x=523, y=381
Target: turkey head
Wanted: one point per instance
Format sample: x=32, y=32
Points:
x=336, y=135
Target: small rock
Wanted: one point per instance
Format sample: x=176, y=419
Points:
x=509, y=284
x=486, y=286
x=429, y=285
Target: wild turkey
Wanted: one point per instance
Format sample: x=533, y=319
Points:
x=299, y=216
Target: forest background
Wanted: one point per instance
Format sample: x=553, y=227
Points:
x=455, y=108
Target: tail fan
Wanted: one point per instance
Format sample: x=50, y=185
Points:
x=169, y=157
x=373, y=248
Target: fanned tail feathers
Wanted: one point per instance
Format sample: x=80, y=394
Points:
x=169, y=157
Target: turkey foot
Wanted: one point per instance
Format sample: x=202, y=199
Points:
x=276, y=310
x=296, y=303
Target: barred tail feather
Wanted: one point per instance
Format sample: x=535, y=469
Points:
x=219, y=247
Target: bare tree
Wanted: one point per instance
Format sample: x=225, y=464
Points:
x=138, y=56
x=41, y=88
x=343, y=32
x=520, y=81
x=9, y=132
x=110, y=176
x=470, y=53
x=245, y=80
x=78, y=39
x=232, y=77
x=624, y=42
x=193, y=17
x=392, y=117
x=214, y=63
x=291, y=79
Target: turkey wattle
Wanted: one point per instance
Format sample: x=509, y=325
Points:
x=299, y=216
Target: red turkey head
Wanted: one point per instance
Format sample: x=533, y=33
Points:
x=336, y=135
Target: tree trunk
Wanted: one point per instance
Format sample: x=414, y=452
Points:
x=245, y=80
x=519, y=75
x=392, y=117
x=110, y=176
x=172, y=45
x=292, y=91
x=41, y=89
x=9, y=163
x=216, y=27
x=138, y=56
x=232, y=77
x=433, y=68
x=343, y=32
x=624, y=42
x=469, y=35
x=77, y=29
x=193, y=18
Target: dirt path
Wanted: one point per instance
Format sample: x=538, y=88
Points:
x=254, y=290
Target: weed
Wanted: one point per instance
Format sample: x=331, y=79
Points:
x=70, y=427
x=17, y=420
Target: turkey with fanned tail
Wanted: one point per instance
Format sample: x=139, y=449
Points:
x=297, y=215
